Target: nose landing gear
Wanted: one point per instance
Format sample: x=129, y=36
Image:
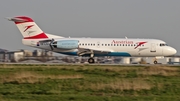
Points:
x=157, y=57
x=155, y=62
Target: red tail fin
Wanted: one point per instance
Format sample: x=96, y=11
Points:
x=28, y=28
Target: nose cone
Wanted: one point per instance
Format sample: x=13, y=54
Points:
x=168, y=51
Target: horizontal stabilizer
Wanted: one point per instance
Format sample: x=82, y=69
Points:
x=16, y=19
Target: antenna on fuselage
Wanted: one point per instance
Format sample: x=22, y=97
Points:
x=126, y=37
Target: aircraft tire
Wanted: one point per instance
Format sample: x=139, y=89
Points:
x=91, y=60
x=155, y=62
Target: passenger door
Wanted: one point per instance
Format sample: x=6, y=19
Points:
x=153, y=47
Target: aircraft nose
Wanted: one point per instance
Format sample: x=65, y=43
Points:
x=173, y=51
x=168, y=51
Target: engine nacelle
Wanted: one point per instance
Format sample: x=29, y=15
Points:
x=66, y=44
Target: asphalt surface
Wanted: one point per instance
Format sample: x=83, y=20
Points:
x=90, y=64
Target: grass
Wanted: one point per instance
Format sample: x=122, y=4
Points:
x=89, y=82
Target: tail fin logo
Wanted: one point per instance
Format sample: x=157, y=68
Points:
x=27, y=27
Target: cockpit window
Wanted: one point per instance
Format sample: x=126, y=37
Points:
x=163, y=44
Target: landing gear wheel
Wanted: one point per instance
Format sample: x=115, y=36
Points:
x=155, y=62
x=91, y=60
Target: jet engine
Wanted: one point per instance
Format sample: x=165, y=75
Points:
x=65, y=44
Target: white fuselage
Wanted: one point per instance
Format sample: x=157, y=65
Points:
x=114, y=46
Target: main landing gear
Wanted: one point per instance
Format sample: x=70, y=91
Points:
x=91, y=60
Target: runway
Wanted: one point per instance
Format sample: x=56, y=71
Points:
x=76, y=64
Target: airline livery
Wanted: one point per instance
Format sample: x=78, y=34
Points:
x=91, y=47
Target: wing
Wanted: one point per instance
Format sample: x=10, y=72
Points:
x=83, y=51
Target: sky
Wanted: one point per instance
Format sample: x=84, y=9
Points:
x=159, y=19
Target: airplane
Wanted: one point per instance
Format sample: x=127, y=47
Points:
x=90, y=47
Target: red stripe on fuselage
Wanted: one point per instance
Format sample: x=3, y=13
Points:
x=39, y=36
